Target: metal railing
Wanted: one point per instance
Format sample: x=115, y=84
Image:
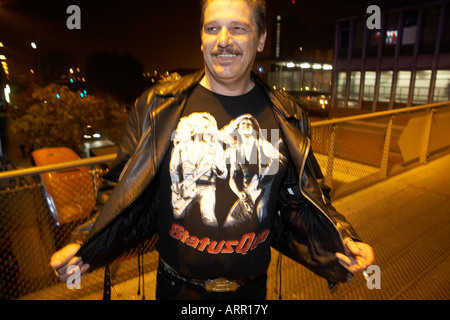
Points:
x=31, y=229
x=13, y=174
x=357, y=151
x=353, y=152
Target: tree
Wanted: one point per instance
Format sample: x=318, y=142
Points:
x=55, y=116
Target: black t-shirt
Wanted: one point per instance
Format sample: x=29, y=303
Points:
x=219, y=186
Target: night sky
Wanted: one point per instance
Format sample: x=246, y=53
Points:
x=163, y=35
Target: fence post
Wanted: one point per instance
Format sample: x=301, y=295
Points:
x=331, y=146
x=426, y=138
x=385, y=156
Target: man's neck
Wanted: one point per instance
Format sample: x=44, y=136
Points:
x=234, y=88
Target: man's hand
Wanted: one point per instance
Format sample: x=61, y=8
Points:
x=358, y=256
x=61, y=260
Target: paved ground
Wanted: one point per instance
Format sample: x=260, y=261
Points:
x=407, y=221
x=405, y=218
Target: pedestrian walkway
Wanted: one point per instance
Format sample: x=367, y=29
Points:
x=405, y=218
x=407, y=221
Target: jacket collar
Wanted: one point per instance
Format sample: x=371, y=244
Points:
x=280, y=102
x=177, y=86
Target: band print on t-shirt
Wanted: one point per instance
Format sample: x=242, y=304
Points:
x=240, y=152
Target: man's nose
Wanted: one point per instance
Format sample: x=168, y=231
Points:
x=224, y=38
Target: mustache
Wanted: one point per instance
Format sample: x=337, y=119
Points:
x=226, y=50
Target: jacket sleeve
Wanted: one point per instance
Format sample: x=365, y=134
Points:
x=341, y=223
x=301, y=232
x=135, y=225
x=344, y=227
x=129, y=140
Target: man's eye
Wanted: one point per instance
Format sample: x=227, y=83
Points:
x=212, y=29
x=238, y=30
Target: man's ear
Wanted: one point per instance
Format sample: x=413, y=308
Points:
x=262, y=41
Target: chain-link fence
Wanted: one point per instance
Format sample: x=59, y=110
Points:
x=353, y=153
x=37, y=217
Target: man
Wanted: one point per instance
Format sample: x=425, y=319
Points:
x=199, y=261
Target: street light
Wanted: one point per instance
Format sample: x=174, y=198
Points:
x=36, y=68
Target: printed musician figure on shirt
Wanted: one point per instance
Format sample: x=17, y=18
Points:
x=197, y=159
x=253, y=162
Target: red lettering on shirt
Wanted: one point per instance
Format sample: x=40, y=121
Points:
x=248, y=241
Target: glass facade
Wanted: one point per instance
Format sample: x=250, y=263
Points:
x=405, y=63
x=301, y=76
x=368, y=90
x=341, y=84
x=402, y=89
x=421, y=87
x=442, y=86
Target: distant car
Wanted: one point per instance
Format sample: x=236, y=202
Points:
x=92, y=139
x=70, y=193
x=317, y=103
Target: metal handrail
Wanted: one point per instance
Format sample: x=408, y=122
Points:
x=58, y=166
x=111, y=157
x=379, y=114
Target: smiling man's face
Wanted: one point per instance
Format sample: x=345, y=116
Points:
x=230, y=41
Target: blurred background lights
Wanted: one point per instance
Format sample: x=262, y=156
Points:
x=7, y=93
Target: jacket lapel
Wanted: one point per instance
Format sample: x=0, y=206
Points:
x=299, y=146
x=164, y=114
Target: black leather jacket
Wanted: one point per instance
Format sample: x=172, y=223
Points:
x=307, y=228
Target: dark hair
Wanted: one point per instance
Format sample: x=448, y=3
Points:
x=259, y=9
